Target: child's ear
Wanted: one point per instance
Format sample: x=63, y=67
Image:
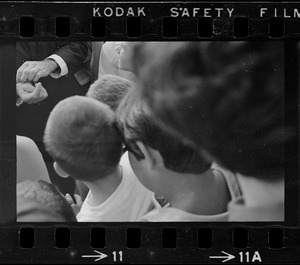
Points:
x=144, y=149
x=153, y=157
x=60, y=171
x=157, y=158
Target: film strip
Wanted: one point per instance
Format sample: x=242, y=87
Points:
x=148, y=242
x=238, y=28
x=171, y=20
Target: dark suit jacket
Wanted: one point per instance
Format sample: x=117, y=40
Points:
x=76, y=54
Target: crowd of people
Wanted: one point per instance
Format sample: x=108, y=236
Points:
x=151, y=132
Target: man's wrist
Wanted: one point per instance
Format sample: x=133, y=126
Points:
x=53, y=65
x=62, y=66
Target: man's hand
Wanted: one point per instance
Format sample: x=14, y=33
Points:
x=28, y=93
x=75, y=206
x=32, y=71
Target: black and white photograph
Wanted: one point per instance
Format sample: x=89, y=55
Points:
x=143, y=132
x=150, y=131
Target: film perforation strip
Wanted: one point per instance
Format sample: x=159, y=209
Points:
x=134, y=27
x=170, y=27
x=149, y=240
x=205, y=27
x=169, y=237
x=241, y=27
x=63, y=27
x=133, y=238
x=276, y=238
x=98, y=237
x=98, y=27
x=240, y=237
x=204, y=238
x=276, y=27
x=62, y=237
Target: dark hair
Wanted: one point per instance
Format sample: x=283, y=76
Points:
x=48, y=196
x=136, y=124
x=109, y=89
x=226, y=97
x=81, y=135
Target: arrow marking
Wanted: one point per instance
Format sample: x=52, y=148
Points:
x=226, y=258
x=98, y=257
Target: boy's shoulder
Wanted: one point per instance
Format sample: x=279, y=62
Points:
x=170, y=214
x=132, y=187
x=124, y=161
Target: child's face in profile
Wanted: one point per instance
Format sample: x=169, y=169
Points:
x=145, y=173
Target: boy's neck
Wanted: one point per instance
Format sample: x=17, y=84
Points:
x=258, y=193
x=103, y=188
x=201, y=194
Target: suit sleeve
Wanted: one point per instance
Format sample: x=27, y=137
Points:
x=75, y=54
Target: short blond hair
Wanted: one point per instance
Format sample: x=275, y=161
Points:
x=110, y=89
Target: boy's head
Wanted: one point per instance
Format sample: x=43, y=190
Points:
x=110, y=89
x=225, y=97
x=82, y=137
x=138, y=128
x=41, y=201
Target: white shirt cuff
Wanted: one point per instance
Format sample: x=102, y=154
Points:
x=62, y=65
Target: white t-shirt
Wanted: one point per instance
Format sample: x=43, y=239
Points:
x=170, y=214
x=128, y=203
x=109, y=58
